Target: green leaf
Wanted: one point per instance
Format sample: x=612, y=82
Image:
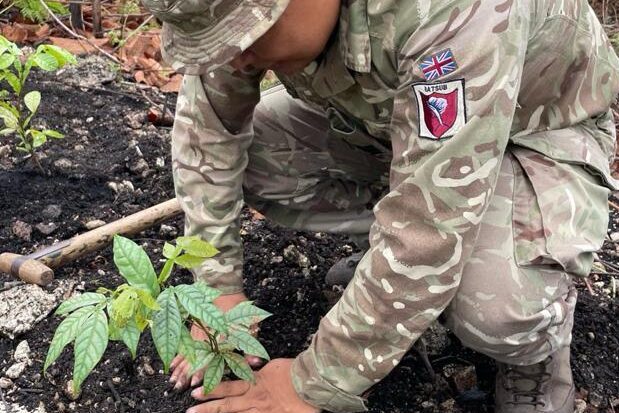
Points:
x=133, y=264
x=213, y=374
x=6, y=60
x=247, y=343
x=193, y=299
x=239, y=366
x=147, y=299
x=10, y=120
x=195, y=246
x=61, y=55
x=170, y=251
x=124, y=306
x=186, y=346
x=38, y=139
x=52, y=134
x=130, y=335
x=165, y=272
x=66, y=333
x=202, y=360
x=32, y=100
x=79, y=301
x=14, y=82
x=189, y=261
x=6, y=131
x=90, y=344
x=45, y=61
x=209, y=293
x=166, y=327
x=246, y=314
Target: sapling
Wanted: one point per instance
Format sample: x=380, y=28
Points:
x=146, y=301
x=16, y=108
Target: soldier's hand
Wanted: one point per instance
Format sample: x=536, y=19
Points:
x=180, y=367
x=272, y=393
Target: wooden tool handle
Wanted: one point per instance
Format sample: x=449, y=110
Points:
x=27, y=269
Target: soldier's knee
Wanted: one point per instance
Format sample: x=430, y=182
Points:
x=509, y=335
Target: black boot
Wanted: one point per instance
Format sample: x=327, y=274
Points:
x=342, y=271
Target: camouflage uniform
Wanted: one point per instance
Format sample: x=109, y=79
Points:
x=485, y=215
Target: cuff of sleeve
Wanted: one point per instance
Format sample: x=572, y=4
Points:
x=312, y=387
x=224, y=274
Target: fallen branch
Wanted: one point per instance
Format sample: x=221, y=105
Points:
x=77, y=36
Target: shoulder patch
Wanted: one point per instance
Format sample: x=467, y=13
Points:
x=441, y=108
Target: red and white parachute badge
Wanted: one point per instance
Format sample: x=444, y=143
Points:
x=441, y=107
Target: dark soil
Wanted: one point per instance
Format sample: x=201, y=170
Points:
x=107, y=135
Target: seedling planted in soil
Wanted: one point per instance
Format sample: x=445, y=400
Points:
x=14, y=69
x=92, y=319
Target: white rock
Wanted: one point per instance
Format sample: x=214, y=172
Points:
x=614, y=236
x=22, y=353
x=23, y=306
x=580, y=406
x=160, y=162
x=5, y=383
x=63, y=163
x=15, y=370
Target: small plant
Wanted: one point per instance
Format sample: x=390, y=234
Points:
x=14, y=69
x=33, y=9
x=146, y=302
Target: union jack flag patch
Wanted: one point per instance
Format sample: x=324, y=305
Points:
x=438, y=65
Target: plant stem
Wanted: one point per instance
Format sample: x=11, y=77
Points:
x=211, y=337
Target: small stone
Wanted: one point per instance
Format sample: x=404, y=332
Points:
x=580, y=406
x=72, y=406
x=448, y=405
x=291, y=253
x=148, y=369
x=22, y=353
x=89, y=119
x=15, y=370
x=46, y=229
x=116, y=380
x=160, y=162
x=614, y=236
x=63, y=163
x=101, y=273
x=22, y=230
x=135, y=120
x=140, y=166
x=595, y=399
x=95, y=223
x=78, y=148
x=61, y=407
x=427, y=405
x=68, y=391
x=5, y=383
x=5, y=151
x=591, y=335
x=51, y=211
x=463, y=378
x=167, y=231
x=278, y=259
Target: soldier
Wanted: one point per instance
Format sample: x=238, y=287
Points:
x=471, y=139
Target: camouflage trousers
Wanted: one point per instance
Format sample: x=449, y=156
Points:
x=316, y=171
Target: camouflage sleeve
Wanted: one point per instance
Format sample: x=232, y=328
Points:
x=425, y=227
x=211, y=134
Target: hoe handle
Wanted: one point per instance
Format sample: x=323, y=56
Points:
x=36, y=267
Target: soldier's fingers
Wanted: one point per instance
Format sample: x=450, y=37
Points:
x=254, y=361
x=224, y=389
x=176, y=361
x=180, y=375
x=197, y=377
x=227, y=405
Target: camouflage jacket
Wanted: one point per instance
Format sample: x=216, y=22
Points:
x=448, y=85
